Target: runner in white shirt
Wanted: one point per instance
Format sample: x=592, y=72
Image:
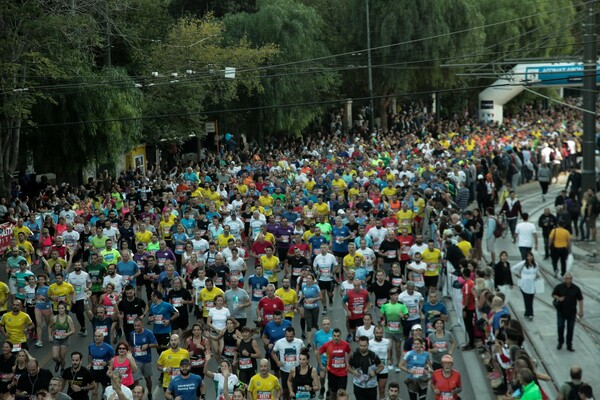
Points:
x=286, y=354
x=348, y=284
x=413, y=301
x=368, y=329
x=415, y=271
x=71, y=237
x=368, y=254
x=200, y=244
x=325, y=266
x=382, y=347
x=81, y=282
x=418, y=247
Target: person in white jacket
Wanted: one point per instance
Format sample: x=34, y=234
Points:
x=527, y=271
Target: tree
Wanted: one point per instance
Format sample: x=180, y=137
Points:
x=191, y=65
x=411, y=39
x=110, y=116
x=297, y=30
x=39, y=42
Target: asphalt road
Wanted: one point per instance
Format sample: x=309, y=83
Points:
x=337, y=315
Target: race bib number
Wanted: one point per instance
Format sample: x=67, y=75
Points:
x=219, y=281
x=60, y=334
x=418, y=371
x=396, y=281
x=441, y=347
x=229, y=351
x=263, y=395
x=158, y=319
x=179, y=248
x=432, y=267
x=258, y=293
x=16, y=347
x=177, y=302
x=418, y=278
x=287, y=308
x=110, y=310
x=413, y=310
x=338, y=362
x=197, y=362
x=446, y=396
x=381, y=302
x=131, y=318
x=394, y=326
x=103, y=329
x=98, y=364
x=138, y=352
x=174, y=372
x=209, y=304
x=245, y=363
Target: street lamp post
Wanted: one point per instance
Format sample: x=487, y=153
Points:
x=371, y=106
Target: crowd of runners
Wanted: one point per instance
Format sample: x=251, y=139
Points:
x=240, y=257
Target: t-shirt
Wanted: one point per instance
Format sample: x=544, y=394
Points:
x=62, y=292
x=109, y=392
x=172, y=359
x=288, y=353
x=336, y=357
x=412, y=303
x=100, y=355
x=446, y=385
x=289, y=298
x=381, y=350
x=137, y=340
x=275, y=332
x=15, y=326
x=186, y=388
x=324, y=266
x=235, y=298
x=161, y=312
x=219, y=317
x=269, y=265
x=81, y=378
x=392, y=313
x=207, y=297
x=263, y=388
x=526, y=231
x=321, y=337
x=439, y=346
x=79, y=283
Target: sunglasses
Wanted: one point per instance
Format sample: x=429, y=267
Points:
x=122, y=348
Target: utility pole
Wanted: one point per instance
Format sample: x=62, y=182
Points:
x=590, y=59
x=371, y=106
x=107, y=43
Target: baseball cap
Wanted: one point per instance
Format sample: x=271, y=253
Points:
x=23, y=262
x=185, y=361
x=415, y=327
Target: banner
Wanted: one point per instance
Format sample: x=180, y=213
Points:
x=6, y=232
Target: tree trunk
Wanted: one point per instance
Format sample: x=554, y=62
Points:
x=9, y=153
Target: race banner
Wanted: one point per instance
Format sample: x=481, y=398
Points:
x=6, y=232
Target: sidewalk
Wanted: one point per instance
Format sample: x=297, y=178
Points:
x=541, y=332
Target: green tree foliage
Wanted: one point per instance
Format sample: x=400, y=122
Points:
x=114, y=109
x=411, y=38
x=297, y=30
x=191, y=65
x=541, y=29
x=39, y=42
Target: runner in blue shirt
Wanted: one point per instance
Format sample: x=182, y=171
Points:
x=185, y=386
x=142, y=340
x=161, y=314
x=99, y=355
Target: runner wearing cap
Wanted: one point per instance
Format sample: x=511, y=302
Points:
x=185, y=386
x=446, y=382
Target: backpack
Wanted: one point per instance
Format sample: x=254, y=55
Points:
x=573, y=391
x=498, y=230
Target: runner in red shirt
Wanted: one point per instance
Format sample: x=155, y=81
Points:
x=446, y=382
x=356, y=304
x=468, y=303
x=267, y=306
x=338, y=352
x=406, y=241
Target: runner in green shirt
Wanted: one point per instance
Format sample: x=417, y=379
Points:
x=393, y=312
x=97, y=271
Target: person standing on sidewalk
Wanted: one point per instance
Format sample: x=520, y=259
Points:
x=570, y=389
x=544, y=176
x=593, y=209
x=526, y=236
x=560, y=245
x=512, y=209
x=547, y=222
x=527, y=271
x=568, y=301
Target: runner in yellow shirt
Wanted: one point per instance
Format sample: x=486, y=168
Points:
x=14, y=324
x=170, y=359
x=432, y=257
x=405, y=218
x=270, y=264
x=264, y=386
x=61, y=291
x=4, y=294
x=207, y=296
x=289, y=298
